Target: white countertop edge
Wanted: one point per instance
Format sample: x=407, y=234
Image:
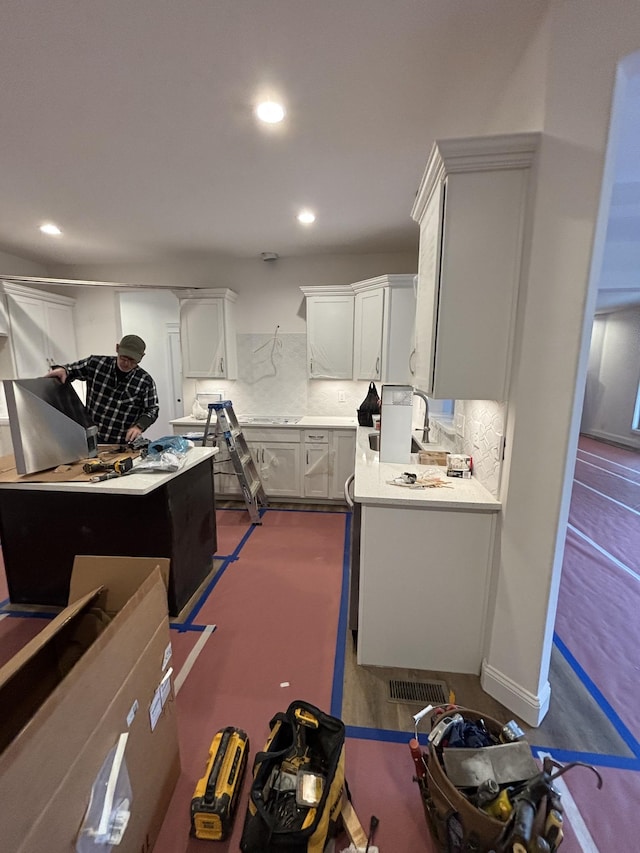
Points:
x=130, y=484
x=304, y=422
x=371, y=486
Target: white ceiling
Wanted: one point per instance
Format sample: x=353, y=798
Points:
x=130, y=124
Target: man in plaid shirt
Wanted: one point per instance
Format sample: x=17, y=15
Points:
x=121, y=397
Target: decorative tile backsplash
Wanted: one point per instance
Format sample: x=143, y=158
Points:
x=482, y=437
x=272, y=380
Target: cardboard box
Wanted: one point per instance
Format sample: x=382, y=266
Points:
x=70, y=693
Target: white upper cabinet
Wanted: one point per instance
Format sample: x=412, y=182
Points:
x=329, y=332
x=208, y=333
x=41, y=329
x=383, y=328
x=471, y=206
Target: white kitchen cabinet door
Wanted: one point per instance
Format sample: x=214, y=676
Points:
x=61, y=333
x=342, y=450
x=438, y=589
x=384, y=328
x=42, y=330
x=471, y=206
x=329, y=332
x=208, y=336
x=316, y=470
x=315, y=463
x=369, y=314
x=278, y=464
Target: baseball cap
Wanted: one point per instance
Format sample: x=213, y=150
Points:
x=132, y=346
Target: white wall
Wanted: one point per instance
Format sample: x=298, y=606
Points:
x=13, y=265
x=269, y=291
x=613, y=377
x=587, y=39
x=147, y=314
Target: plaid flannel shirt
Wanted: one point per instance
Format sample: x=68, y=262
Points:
x=114, y=405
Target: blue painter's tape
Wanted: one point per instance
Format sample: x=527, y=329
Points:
x=566, y=756
x=339, y=659
x=595, y=692
x=182, y=628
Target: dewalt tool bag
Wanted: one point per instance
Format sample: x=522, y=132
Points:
x=298, y=780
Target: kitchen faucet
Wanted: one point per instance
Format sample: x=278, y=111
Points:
x=425, y=425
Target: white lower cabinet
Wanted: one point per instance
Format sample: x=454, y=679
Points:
x=342, y=456
x=316, y=463
x=276, y=453
x=292, y=463
x=428, y=610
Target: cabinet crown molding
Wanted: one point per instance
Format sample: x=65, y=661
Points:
x=207, y=293
x=20, y=290
x=473, y=154
x=327, y=290
x=403, y=280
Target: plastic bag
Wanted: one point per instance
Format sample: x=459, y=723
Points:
x=109, y=809
x=167, y=454
x=369, y=407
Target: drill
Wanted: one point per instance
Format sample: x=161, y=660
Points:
x=113, y=469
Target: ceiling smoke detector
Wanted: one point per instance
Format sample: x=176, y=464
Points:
x=269, y=256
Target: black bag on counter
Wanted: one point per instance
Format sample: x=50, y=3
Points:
x=370, y=406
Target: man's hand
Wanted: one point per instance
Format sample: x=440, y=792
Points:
x=132, y=433
x=57, y=373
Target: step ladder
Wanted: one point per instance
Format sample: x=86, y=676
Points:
x=228, y=429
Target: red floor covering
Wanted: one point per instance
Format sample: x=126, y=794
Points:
x=276, y=605
x=231, y=526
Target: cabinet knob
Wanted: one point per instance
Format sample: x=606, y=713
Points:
x=412, y=357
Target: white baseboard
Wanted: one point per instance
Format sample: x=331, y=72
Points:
x=625, y=441
x=529, y=707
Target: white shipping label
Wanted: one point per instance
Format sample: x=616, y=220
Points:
x=155, y=709
x=167, y=657
x=165, y=686
x=132, y=712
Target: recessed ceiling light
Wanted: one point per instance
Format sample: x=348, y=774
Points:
x=270, y=111
x=306, y=217
x=51, y=229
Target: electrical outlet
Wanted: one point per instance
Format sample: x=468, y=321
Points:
x=342, y=397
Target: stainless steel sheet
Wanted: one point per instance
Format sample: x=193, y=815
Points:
x=49, y=424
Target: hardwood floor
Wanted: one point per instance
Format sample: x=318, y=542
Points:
x=574, y=721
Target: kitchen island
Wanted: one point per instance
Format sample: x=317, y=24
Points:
x=425, y=567
x=43, y=525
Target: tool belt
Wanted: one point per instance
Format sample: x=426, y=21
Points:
x=298, y=780
x=514, y=808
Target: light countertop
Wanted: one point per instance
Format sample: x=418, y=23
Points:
x=371, y=486
x=130, y=484
x=296, y=422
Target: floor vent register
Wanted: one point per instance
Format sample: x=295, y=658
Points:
x=424, y=692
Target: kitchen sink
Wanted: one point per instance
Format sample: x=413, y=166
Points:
x=374, y=443
x=273, y=420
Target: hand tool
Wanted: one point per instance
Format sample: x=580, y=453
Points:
x=440, y=729
x=373, y=825
x=119, y=466
x=418, y=758
x=553, y=829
